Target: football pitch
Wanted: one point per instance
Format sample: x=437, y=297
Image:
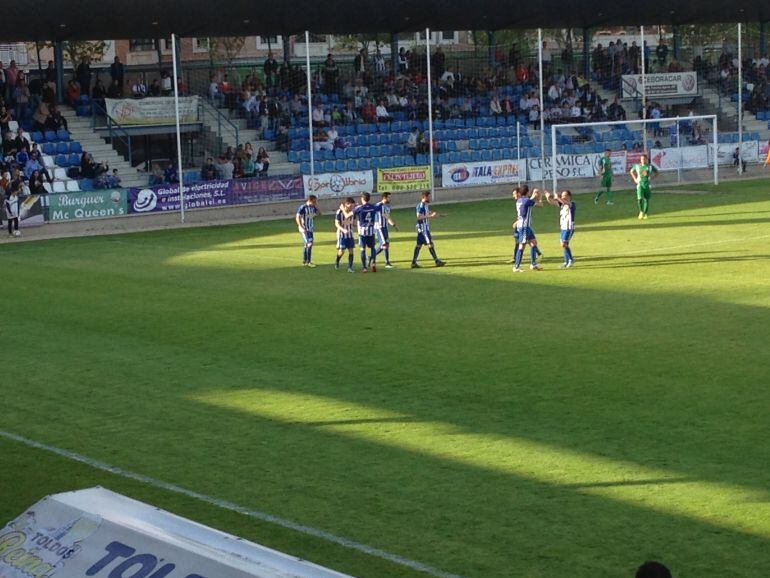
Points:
x=547, y=424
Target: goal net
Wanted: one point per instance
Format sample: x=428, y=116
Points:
x=683, y=150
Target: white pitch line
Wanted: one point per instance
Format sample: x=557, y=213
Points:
x=663, y=250
x=301, y=528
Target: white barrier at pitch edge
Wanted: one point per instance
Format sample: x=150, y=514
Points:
x=99, y=533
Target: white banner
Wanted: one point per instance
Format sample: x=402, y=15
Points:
x=671, y=159
x=483, y=173
x=662, y=85
x=618, y=159
x=101, y=534
x=567, y=167
x=751, y=152
x=153, y=110
x=339, y=184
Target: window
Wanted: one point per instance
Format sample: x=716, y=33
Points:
x=448, y=35
x=273, y=42
x=141, y=44
x=200, y=45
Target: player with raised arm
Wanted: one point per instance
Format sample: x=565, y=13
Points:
x=304, y=219
x=605, y=171
x=522, y=226
x=566, y=222
x=424, y=215
x=642, y=174
x=366, y=214
x=343, y=223
x=381, y=223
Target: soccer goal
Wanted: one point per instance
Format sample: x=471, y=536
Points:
x=683, y=150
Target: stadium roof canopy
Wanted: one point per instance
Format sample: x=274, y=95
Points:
x=108, y=19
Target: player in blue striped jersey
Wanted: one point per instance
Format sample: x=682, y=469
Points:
x=366, y=213
x=304, y=219
x=381, y=224
x=522, y=226
x=343, y=223
x=566, y=222
x=424, y=215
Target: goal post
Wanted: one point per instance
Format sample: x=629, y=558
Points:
x=684, y=148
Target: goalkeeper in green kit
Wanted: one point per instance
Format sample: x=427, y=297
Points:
x=605, y=170
x=642, y=174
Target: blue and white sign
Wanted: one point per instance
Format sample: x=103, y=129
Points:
x=483, y=173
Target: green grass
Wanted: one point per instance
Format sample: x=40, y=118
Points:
x=563, y=423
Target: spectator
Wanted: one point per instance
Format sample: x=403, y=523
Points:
x=90, y=169
x=154, y=88
x=83, y=75
x=226, y=168
x=115, y=90
x=170, y=175
x=738, y=161
x=35, y=184
x=166, y=84
x=21, y=95
x=382, y=113
x=209, y=171
x=247, y=166
x=56, y=120
x=411, y=142
x=117, y=75
x=156, y=175
x=319, y=120
x=40, y=117
x=12, y=211
x=263, y=159
x=113, y=181
x=139, y=88
x=33, y=165
x=321, y=141
x=270, y=69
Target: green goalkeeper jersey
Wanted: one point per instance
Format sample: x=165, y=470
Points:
x=644, y=174
x=606, y=167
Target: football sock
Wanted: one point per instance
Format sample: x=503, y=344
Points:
x=339, y=256
x=433, y=253
x=567, y=255
x=416, y=254
x=599, y=194
x=533, y=255
x=363, y=257
x=304, y=255
x=538, y=251
x=517, y=256
x=640, y=202
x=309, y=254
x=609, y=196
x=373, y=258
x=387, y=255
x=350, y=260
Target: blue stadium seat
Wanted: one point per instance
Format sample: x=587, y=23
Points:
x=73, y=160
x=62, y=134
x=351, y=165
x=328, y=166
x=75, y=147
x=50, y=136
x=340, y=166
x=304, y=168
x=38, y=137
x=293, y=156
x=61, y=161
x=486, y=155
x=48, y=149
x=62, y=148
x=86, y=185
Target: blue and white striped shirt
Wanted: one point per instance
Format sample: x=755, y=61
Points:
x=306, y=215
x=366, y=216
x=524, y=212
x=423, y=225
x=567, y=216
x=346, y=223
x=383, y=215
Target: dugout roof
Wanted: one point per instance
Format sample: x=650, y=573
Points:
x=28, y=20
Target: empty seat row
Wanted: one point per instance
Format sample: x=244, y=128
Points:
x=50, y=136
x=61, y=148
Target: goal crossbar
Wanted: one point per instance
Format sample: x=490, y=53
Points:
x=644, y=122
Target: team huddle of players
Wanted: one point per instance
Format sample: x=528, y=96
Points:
x=372, y=222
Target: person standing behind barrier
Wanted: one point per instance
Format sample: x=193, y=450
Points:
x=12, y=211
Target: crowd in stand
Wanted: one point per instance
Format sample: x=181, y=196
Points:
x=237, y=163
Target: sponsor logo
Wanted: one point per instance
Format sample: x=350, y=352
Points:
x=460, y=175
x=124, y=562
x=145, y=201
x=688, y=82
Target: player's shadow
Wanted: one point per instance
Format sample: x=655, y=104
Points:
x=667, y=261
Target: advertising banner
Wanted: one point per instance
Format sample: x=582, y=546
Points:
x=568, y=166
x=348, y=184
x=87, y=205
x=152, y=110
x=403, y=179
x=31, y=210
x=672, y=158
x=218, y=193
x=618, y=159
x=661, y=85
x=101, y=534
x=483, y=173
x=725, y=152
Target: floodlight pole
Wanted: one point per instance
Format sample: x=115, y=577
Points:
x=542, y=110
x=180, y=171
x=644, y=93
x=740, y=99
x=554, y=176
x=309, y=103
x=518, y=150
x=430, y=114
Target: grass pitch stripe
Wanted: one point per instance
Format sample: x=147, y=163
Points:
x=301, y=528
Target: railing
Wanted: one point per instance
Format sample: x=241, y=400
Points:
x=115, y=129
x=225, y=126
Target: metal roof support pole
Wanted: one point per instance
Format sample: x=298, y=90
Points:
x=394, y=65
x=58, y=57
x=762, y=39
x=180, y=168
x=740, y=99
x=542, y=109
x=309, y=102
x=492, y=48
x=587, y=53
x=430, y=115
